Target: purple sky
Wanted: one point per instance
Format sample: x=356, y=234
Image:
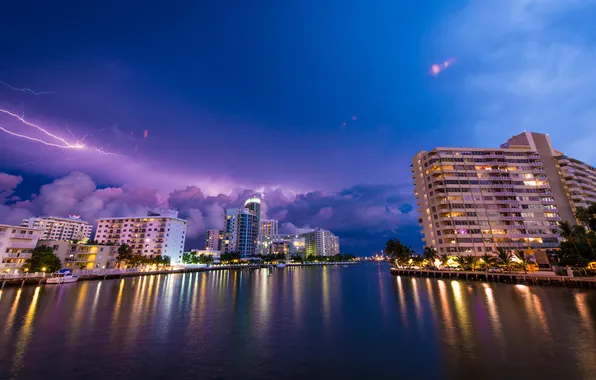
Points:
x=318, y=106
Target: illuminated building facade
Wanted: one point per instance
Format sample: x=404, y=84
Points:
x=242, y=229
x=214, y=239
x=158, y=233
x=54, y=228
x=473, y=200
x=16, y=244
x=83, y=256
x=321, y=243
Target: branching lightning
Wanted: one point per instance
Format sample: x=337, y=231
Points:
x=28, y=90
x=53, y=140
x=65, y=144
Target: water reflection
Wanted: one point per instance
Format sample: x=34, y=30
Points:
x=25, y=333
x=232, y=324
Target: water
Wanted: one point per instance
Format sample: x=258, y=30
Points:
x=297, y=323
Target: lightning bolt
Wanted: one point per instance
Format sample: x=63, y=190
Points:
x=25, y=89
x=37, y=140
x=101, y=151
x=65, y=144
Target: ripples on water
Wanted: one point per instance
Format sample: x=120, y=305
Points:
x=331, y=322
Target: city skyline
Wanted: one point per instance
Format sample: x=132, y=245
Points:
x=322, y=120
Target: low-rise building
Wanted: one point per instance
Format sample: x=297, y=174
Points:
x=16, y=244
x=82, y=256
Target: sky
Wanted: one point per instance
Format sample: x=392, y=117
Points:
x=317, y=106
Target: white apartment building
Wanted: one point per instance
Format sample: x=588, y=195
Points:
x=321, y=243
x=159, y=233
x=473, y=200
x=214, y=239
x=55, y=228
x=82, y=256
x=16, y=244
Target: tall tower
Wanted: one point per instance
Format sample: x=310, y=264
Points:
x=254, y=205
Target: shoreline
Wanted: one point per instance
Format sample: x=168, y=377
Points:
x=110, y=274
x=502, y=278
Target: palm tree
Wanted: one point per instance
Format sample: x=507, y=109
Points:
x=503, y=256
x=524, y=259
x=124, y=253
x=488, y=260
x=568, y=233
x=461, y=261
x=444, y=259
x=430, y=254
x=471, y=261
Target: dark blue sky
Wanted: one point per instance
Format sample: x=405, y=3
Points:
x=304, y=96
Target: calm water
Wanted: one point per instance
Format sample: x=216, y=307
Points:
x=333, y=322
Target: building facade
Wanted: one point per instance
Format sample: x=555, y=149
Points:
x=321, y=243
x=241, y=232
x=579, y=179
x=54, y=228
x=214, y=239
x=82, y=256
x=267, y=232
x=241, y=229
x=158, y=233
x=474, y=200
x=16, y=244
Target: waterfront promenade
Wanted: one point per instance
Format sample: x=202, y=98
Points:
x=22, y=279
x=510, y=278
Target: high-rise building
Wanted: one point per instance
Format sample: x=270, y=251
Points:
x=214, y=239
x=269, y=227
x=242, y=229
x=321, y=243
x=54, y=228
x=16, y=244
x=267, y=232
x=580, y=181
x=474, y=200
x=158, y=233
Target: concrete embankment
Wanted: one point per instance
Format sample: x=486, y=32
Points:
x=509, y=278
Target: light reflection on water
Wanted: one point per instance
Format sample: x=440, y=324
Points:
x=330, y=322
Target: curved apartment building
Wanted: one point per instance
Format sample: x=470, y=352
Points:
x=473, y=200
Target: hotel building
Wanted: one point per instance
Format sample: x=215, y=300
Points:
x=16, y=244
x=580, y=181
x=158, y=233
x=321, y=243
x=473, y=200
x=54, y=228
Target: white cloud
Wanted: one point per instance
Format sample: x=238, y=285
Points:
x=530, y=66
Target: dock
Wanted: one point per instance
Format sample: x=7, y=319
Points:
x=507, y=278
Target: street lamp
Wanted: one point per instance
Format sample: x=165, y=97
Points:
x=43, y=269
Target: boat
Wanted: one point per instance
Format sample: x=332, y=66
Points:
x=281, y=265
x=63, y=276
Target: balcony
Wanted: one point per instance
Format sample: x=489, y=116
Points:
x=21, y=255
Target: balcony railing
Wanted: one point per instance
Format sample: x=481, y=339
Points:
x=21, y=255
